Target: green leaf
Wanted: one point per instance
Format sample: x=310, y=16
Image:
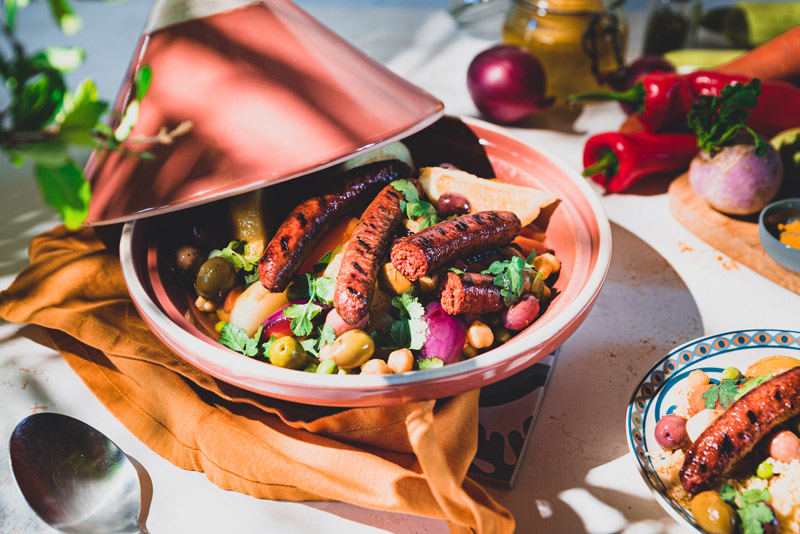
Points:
x=724, y=392
x=65, y=189
x=327, y=335
x=81, y=113
x=301, y=316
x=264, y=350
x=310, y=345
x=50, y=152
x=62, y=11
x=12, y=6
x=407, y=188
x=717, y=119
x=750, y=384
x=240, y=256
x=410, y=330
x=60, y=58
x=324, y=286
x=128, y=121
x=508, y=277
x=144, y=75
x=236, y=338
x=37, y=100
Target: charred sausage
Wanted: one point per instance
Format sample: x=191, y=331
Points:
x=734, y=433
x=433, y=247
x=470, y=293
x=363, y=253
x=308, y=222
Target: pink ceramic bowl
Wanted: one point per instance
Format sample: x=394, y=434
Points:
x=578, y=232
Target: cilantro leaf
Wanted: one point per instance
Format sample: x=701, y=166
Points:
x=415, y=208
x=410, y=330
x=324, y=286
x=724, y=393
x=236, y=338
x=408, y=190
x=750, y=506
x=301, y=316
x=250, y=278
x=266, y=345
x=717, y=119
x=429, y=363
x=327, y=335
x=326, y=259
x=508, y=276
x=240, y=256
x=310, y=345
x=750, y=384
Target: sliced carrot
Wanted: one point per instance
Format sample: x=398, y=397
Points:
x=337, y=236
x=527, y=245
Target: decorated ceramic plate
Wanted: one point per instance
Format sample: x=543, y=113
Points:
x=658, y=392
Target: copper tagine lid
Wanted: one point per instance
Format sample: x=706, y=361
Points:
x=271, y=93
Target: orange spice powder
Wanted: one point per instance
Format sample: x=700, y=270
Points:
x=790, y=234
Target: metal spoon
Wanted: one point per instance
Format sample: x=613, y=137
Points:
x=74, y=477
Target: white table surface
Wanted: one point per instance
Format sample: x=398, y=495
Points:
x=665, y=287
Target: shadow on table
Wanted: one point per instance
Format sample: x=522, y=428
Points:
x=577, y=475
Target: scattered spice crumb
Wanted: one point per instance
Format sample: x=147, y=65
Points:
x=37, y=407
x=790, y=233
x=728, y=264
x=685, y=247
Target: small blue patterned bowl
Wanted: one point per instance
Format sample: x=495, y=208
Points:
x=657, y=393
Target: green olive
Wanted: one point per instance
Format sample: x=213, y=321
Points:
x=712, y=514
x=501, y=334
x=352, y=349
x=287, y=352
x=731, y=373
x=215, y=278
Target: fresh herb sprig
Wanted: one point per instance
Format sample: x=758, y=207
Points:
x=729, y=390
x=717, y=119
x=240, y=256
x=509, y=276
x=410, y=330
x=43, y=121
x=751, y=507
x=320, y=289
x=414, y=207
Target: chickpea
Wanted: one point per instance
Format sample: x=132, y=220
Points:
x=375, y=366
x=546, y=264
x=697, y=378
x=352, y=349
x=204, y=305
x=326, y=352
x=480, y=335
x=401, y=361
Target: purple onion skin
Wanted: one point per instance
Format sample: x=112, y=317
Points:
x=736, y=181
x=507, y=83
x=446, y=334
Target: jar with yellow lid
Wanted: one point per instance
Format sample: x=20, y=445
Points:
x=576, y=41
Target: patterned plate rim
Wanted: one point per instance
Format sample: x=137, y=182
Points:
x=665, y=371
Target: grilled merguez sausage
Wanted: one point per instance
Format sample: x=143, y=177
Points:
x=364, y=252
x=432, y=248
x=739, y=428
x=308, y=222
x=471, y=293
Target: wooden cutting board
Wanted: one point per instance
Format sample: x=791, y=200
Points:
x=736, y=237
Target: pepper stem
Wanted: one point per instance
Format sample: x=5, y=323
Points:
x=607, y=165
x=635, y=96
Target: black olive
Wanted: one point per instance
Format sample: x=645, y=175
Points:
x=215, y=278
x=189, y=259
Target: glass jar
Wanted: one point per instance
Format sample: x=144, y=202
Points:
x=576, y=41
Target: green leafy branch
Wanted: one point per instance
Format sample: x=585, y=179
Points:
x=43, y=120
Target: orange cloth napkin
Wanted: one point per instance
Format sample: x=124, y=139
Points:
x=411, y=458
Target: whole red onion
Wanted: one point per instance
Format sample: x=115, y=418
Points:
x=507, y=83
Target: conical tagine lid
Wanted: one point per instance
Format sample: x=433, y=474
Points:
x=271, y=94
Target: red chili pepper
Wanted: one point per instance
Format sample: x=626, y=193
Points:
x=617, y=160
x=662, y=100
x=658, y=99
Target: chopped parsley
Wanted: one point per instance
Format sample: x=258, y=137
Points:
x=236, y=338
x=240, y=256
x=508, y=276
x=717, y=119
x=326, y=336
x=414, y=207
x=751, y=506
x=410, y=330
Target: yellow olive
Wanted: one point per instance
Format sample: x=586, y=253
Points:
x=712, y=514
x=287, y=352
x=393, y=280
x=352, y=349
